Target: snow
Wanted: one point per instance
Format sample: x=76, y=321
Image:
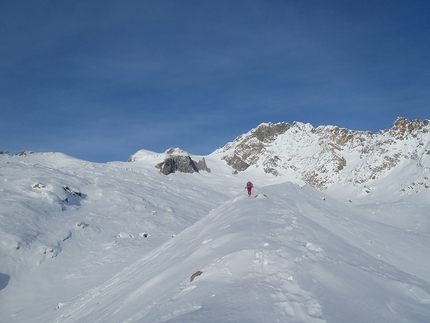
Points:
x=126, y=243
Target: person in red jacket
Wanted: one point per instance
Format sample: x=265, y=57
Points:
x=249, y=186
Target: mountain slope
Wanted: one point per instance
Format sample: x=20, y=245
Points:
x=122, y=210
x=120, y=242
x=262, y=259
x=330, y=155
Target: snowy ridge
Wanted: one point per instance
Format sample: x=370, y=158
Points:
x=146, y=155
x=330, y=155
x=121, y=242
x=257, y=266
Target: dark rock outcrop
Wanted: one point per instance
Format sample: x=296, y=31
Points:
x=236, y=162
x=201, y=165
x=24, y=153
x=249, y=147
x=182, y=164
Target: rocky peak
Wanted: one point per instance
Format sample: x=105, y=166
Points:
x=267, y=132
x=328, y=154
x=171, y=161
x=176, y=151
x=178, y=163
x=246, y=149
x=402, y=127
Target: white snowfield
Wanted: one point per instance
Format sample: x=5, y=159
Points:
x=120, y=242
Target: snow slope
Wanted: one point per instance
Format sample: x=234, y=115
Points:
x=127, y=241
x=329, y=155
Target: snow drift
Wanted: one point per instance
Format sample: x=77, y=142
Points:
x=121, y=242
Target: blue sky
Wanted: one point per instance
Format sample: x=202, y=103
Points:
x=99, y=80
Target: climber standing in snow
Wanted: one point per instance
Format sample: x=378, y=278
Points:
x=249, y=186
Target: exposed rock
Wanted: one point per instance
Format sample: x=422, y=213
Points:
x=326, y=155
x=269, y=132
x=249, y=147
x=182, y=164
x=38, y=185
x=131, y=159
x=196, y=274
x=24, y=153
x=71, y=191
x=201, y=165
x=236, y=162
x=176, y=151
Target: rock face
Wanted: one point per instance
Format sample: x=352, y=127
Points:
x=249, y=147
x=174, y=160
x=326, y=155
x=322, y=156
x=179, y=163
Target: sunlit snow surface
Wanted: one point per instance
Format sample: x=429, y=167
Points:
x=125, y=243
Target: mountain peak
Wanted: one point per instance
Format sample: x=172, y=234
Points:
x=266, y=132
x=327, y=155
x=176, y=151
x=403, y=127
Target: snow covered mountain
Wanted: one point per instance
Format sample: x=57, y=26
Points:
x=122, y=242
x=328, y=155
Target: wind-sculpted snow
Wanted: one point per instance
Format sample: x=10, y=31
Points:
x=121, y=242
x=261, y=260
x=68, y=239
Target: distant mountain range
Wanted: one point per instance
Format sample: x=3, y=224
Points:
x=326, y=155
